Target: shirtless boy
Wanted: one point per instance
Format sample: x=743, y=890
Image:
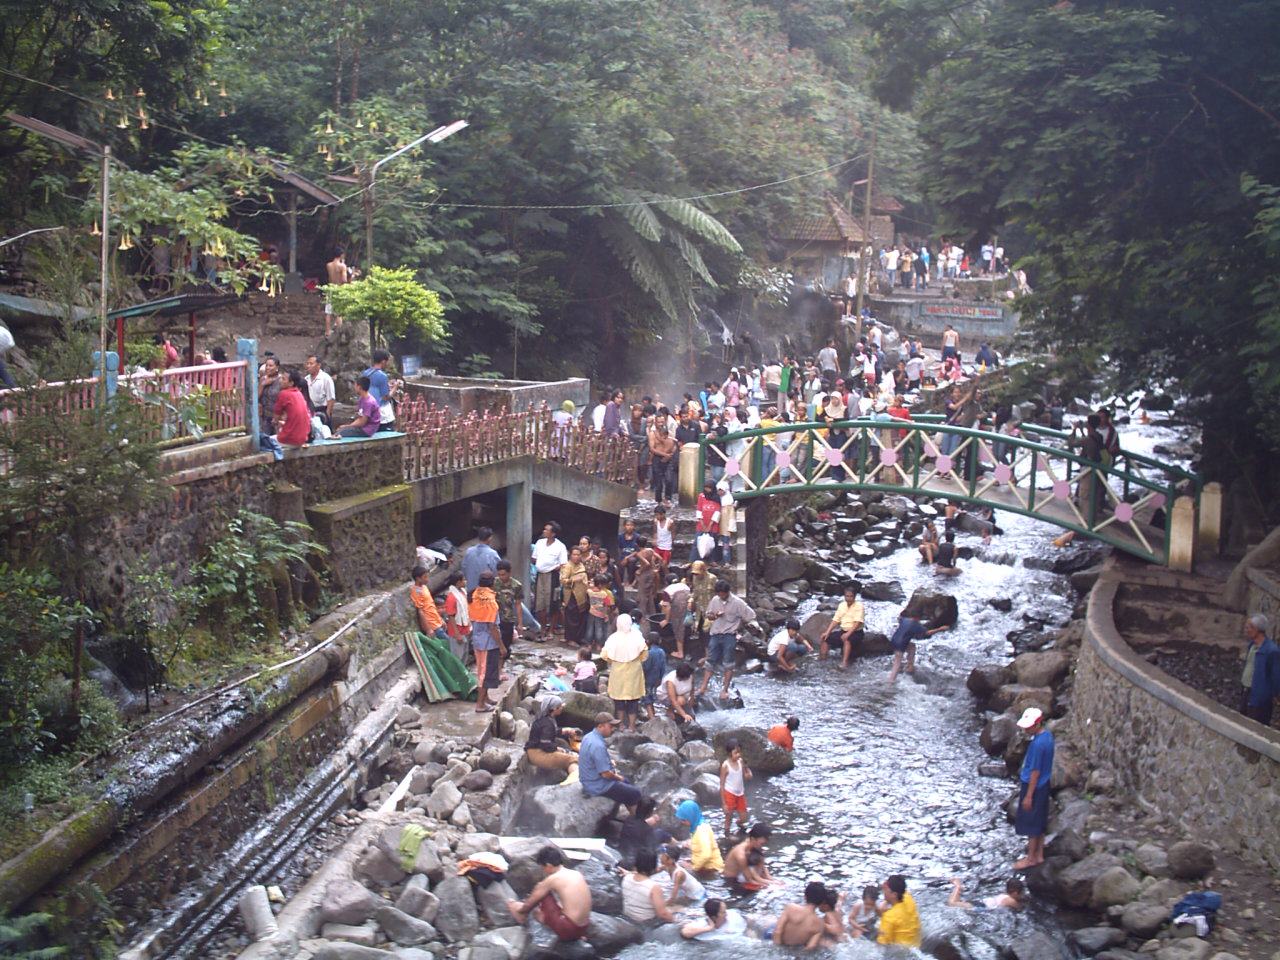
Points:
x=561, y=900
x=800, y=924
x=737, y=869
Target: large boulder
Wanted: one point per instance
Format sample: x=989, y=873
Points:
x=1036, y=946
x=885, y=590
x=580, y=708
x=605, y=884
x=1143, y=919
x=656, y=777
x=608, y=935
x=563, y=810
x=695, y=751
x=1115, y=886
x=492, y=902
x=781, y=567
x=336, y=950
x=1045, y=669
x=458, y=918
x=986, y=679
x=933, y=607
x=650, y=752
x=663, y=730
x=1191, y=948
x=997, y=734
x=347, y=901
x=1016, y=697
x=403, y=928
x=508, y=942
x=1152, y=860
x=1190, y=860
x=417, y=900
x=1091, y=940
x=761, y=754
x=707, y=789
x=494, y=760
x=1076, y=881
x=444, y=799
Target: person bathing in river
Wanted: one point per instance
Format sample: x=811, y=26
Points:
x=783, y=733
x=734, y=774
x=904, y=642
x=865, y=913
x=947, y=561
x=738, y=867
x=800, y=924
x=929, y=542
x=679, y=883
x=900, y=922
x=1013, y=898
x=846, y=625
x=787, y=645
x=561, y=900
x=704, y=852
x=721, y=924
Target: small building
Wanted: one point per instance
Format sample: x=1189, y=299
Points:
x=821, y=250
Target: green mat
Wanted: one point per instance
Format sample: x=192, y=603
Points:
x=444, y=676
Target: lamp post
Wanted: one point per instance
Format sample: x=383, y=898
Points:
x=77, y=142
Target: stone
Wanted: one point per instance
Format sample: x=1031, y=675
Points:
x=1015, y=697
x=493, y=760
x=365, y=934
x=1082, y=581
x=492, y=902
x=428, y=862
x=933, y=607
x=421, y=780
x=1164, y=891
x=563, y=811
x=623, y=743
x=461, y=816
x=764, y=757
x=418, y=901
x=1103, y=780
x=458, y=918
x=474, y=843
x=986, y=679
x=1191, y=948
x=255, y=913
x=347, y=901
x=1068, y=843
x=1115, y=885
x=707, y=789
x=379, y=867
x=1152, y=860
x=513, y=942
x=1144, y=920
x=1045, y=669
x=656, y=778
x=1003, y=604
x=404, y=929
x=580, y=709
x=1190, y=860
x=456, y=771
x=781, y=567
x=477, y=780
x=650, y=752
x=697, y=752
x=1035, y=946
x=444, y=799
x=338, y=950
x=1076, y=881
x=407, y=716
x=663, y=731
x=1091, y=940
x=609, y=934
x=997, y=734
x=430, y=952
x=889, y=590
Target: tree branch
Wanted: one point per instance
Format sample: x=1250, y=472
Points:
x=1270, y=117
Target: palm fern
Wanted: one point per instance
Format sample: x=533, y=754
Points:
x=16, y=934
x=657, y=239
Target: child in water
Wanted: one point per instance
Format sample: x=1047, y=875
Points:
x=865, y=913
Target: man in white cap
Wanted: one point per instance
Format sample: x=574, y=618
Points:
x=1032, y=817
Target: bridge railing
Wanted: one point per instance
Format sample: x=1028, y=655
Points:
x=1005, y=472
x=441, y=441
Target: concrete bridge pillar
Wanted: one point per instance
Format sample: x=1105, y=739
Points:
x=1182, y=535
x=688, y=483
x=519, y=526
x=1209, y=531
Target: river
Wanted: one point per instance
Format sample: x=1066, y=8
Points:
x=886, y=777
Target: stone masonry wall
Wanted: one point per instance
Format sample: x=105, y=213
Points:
x=1177, y=751
x=1264, y=596
x=343, y=470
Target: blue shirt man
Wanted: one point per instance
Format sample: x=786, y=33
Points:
x=1032, y=817
x=595, y=766
x=479, y=557
x=379, y=385
x=1263, y=674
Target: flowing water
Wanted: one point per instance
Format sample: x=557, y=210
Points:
x=886, y=777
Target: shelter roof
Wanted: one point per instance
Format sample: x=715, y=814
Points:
x=834, y=225
x=176, y=305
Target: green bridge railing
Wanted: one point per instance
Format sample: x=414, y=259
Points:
x=1041, y=477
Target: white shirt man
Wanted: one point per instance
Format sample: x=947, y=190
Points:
x=891, y=260
x=549, y=556
x=320, y=388
x=597, y=417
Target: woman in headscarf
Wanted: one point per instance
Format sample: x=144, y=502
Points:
x=457, y=615
x=541, y=748
x=625, y=652
x=573, y=588
x=704, y=852
x=735, y=449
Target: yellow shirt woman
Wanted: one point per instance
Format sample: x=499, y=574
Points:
x=900, y=924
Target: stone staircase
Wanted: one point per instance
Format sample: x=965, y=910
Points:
x=683, y=537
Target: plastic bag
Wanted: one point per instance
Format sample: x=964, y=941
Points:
x=706, y=543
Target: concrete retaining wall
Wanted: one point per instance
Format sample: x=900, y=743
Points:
x=476, y=395
x=976, y=322
x=1176, y=750
x=1264, y=595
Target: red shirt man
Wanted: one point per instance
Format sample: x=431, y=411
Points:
x=708, y=511
x=294, y=417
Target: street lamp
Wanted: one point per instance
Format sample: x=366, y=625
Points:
x=435, y=136
x=77, y=142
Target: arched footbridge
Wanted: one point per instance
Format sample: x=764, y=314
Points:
x=1129, y=504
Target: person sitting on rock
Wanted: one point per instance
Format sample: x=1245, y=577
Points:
x=560, y=901
x=787, y=645
x=846, y=624
x=542, y=748
x=1013, y=898
x=595, y=766
x=929, y=542
x=947, y=562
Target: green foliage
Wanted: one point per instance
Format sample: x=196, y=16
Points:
x=19, y=936
x=37, y=626
x=391, y=301
x=159, y=612
x=235, y=577
x=1113, y=140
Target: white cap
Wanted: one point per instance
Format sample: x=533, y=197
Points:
x=1030, y=717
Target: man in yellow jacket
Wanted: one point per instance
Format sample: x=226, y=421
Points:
x=900, y=924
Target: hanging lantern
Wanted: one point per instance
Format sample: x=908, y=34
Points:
x=110, y=94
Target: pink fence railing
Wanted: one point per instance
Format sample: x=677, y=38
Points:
x=439, y=441
x=211, y=395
